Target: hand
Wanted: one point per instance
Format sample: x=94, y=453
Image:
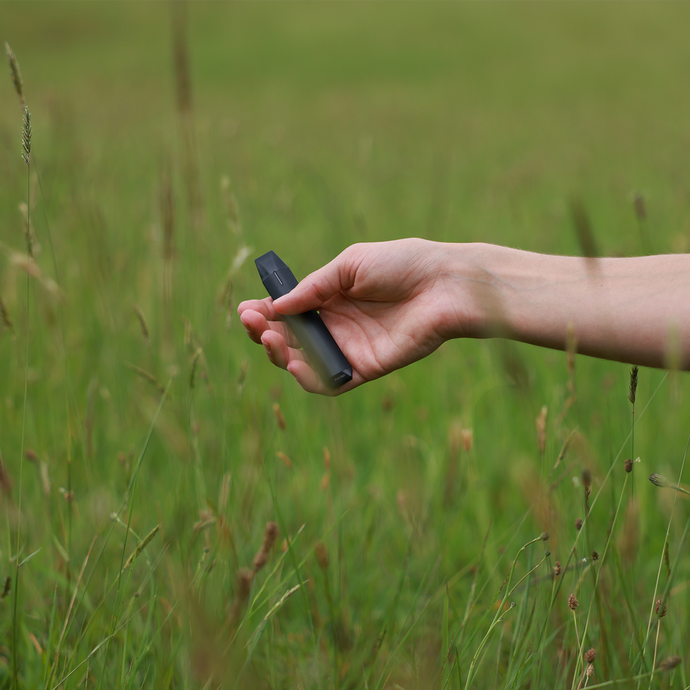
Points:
x=387, y=304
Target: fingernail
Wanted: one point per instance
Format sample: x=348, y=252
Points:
x=267, y=347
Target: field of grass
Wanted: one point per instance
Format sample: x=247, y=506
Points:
x=146, y=443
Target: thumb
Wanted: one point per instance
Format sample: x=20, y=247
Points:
x=316, y=289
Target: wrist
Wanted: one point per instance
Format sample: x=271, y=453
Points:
x=469, y=273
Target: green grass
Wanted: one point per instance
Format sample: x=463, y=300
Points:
x=336, y=123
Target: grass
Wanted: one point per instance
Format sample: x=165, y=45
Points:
x=158, y=443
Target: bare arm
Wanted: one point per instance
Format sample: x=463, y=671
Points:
x=391, y=303
x=634, y=310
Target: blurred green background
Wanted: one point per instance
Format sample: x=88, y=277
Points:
x=307, y=127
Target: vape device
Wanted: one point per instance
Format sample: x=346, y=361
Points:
x=316, y=341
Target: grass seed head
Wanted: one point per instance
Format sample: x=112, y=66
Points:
x=26, y=136
x=595, y=555
x=589, y=671
x=321, y=554
x=573, y=602
x=628, y=465
x=270, y=536
x=467, y=439
x=578, y=524
x=586, y=478
x=660, y=608
x=5, y=317
x=632, y=389
x=142, y=323
x=544, y=536
x=590, y=655
x=660, y=481
x=670, y=663
x=15, y=73
x=279, y=416
x=558, y=569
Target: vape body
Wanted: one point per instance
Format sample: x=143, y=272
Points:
x=317, y=342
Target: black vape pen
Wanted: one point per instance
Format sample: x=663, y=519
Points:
x=318, y=344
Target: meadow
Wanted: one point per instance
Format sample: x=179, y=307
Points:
x=176, y=512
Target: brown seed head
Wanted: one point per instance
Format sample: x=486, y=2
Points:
x=557, y=570
x=573, y=602
x=586, y=478
x=595, y=556
x=244, y=584
x=544, y=536
x=467, y=439
x=589, y=671
x=321, y=556
x=578, y=524
x=279, y=416
x=670, y=663
x=632, y=389
x=15, y=73
x=4, y=316
x=660, y=608
x=590, y=655
x=628, y=465
x=270, y=536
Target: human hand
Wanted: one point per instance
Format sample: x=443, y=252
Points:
x=387, y=304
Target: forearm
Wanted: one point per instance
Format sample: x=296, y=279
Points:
x=634, y=310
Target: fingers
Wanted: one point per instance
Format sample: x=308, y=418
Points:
x=318, y=287
x=258, y=316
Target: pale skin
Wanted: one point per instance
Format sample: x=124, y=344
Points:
x=389, y=304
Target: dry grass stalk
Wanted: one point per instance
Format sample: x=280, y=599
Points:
x=224, y=493
x=5, y=316
x=270, y=536
x=140, y=547
x=6, y=588
x=26, y=263
x=29, y=235
x=198, y=354
x=146, y=376
x=583, y=229
x=167, y=205
x=279, y=416
x=231, y=206
x=225, y=294
x=46, y=483
x=284, y=458
x=142, y=323
x=467, y=439
x=321, y=554
x=245, y=577
x=183, y=91
x=541, y=429
x=15, y=73
x=5, y=481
